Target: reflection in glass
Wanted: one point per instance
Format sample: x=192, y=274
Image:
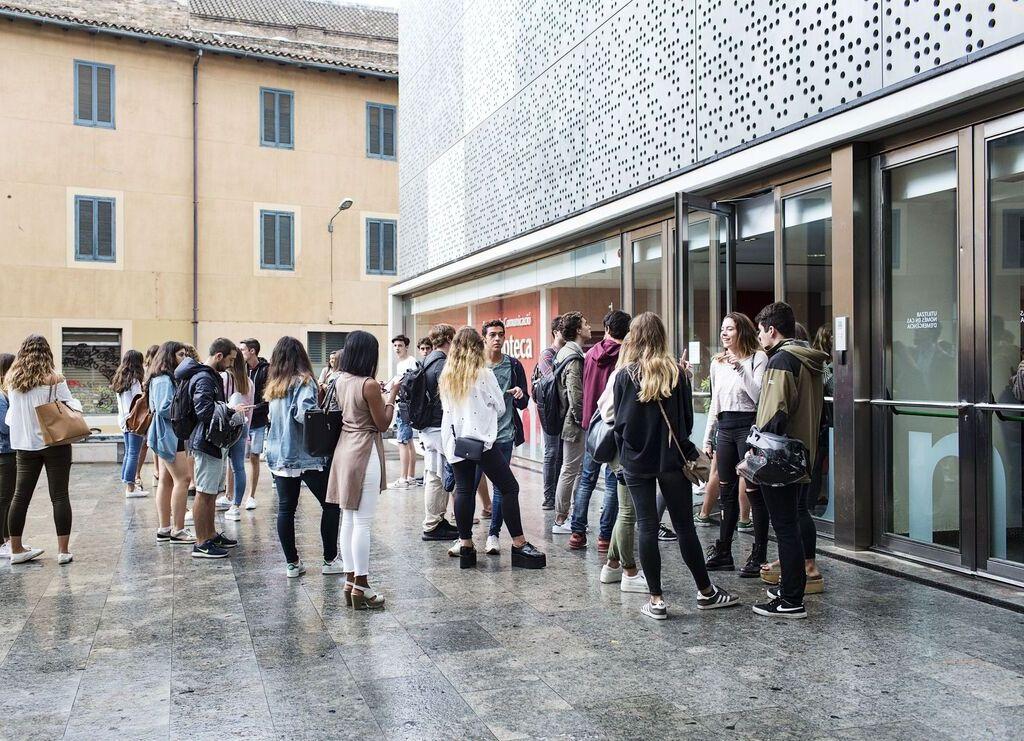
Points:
x=755, y=255
x=1006, y=338
x=647, y=275
x=921, y=302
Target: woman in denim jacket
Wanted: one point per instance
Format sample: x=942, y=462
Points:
x=172, y=488
x=292, y=391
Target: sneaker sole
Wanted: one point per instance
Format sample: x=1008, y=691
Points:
x=723, y=567
x=749, y=574
x=200, y=554
x=730, y=603
x=295, y=575
x=182, y=542
x=785, y=615
x=654, y=617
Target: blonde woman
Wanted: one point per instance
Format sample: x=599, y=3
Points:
x=472, y=400
x=653, y=421
x=736, y=375
x=30, y=382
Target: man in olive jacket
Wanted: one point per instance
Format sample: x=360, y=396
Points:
x=792, y=395
x=575, y=332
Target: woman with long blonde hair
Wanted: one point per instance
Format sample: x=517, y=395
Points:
x=472, y=400
x=32, y=381
x=653, y=421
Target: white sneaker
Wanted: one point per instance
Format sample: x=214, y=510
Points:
x=564, y=529
x=492, y=545
x=636, y=583
x=26, y=556
x=223, y=503
x=658, y=611
x=136, y=493
x=295, y=569
x=399, y=484
x=65, y=558
x=233, y=514
x=189, y=518
x=610, y=575
x=182, y=537
x=336, y=566
x=251, y=504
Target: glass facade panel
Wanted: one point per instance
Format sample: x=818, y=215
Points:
x=647, y=275
x=755, y=255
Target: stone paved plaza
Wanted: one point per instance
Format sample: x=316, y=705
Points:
x=135, y=640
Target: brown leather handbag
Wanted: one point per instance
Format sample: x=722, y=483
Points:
x=698, y=470
x=59, y=423
x=139, y=416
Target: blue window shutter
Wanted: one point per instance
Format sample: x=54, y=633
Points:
x=373, y=261
x=284, y=118
x=83, y=92
x=268, y=117
x=104, y=89
x=387, y=240
x=105, y=229
x=268, y=239
x=387, y=147
x=373, y=129
x=84, y=245
x=285, y=241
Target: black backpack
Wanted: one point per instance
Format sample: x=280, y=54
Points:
x=183, y=413
x=547, y=394
x=414, y=398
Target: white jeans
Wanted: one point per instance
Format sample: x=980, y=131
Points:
x=357, y=523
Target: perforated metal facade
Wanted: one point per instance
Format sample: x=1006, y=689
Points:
x=518, y=112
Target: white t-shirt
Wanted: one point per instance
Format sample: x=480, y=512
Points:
x=21, y=416
x=476, y=416
x=403, y=367
x=124, y=404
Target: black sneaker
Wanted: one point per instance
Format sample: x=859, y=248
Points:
x=548, y=505
x=719, y=557
x=774, y=592
x=209, y=549
x=752, y=568
x=163, y=536
x=223, y=541
x=444, y=530
x=666, y=533
x=781, y=608
x=720, y=598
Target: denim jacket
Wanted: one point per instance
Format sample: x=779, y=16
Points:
x=161, y=437
x=284, y=446
x=5, y=431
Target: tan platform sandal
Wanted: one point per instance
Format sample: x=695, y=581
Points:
x=365, y=598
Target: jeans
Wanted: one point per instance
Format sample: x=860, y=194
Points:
x=132, y=445
x=8, y=477
x=622, y=541
x=288, y=490
x=236, y=456
x=783, y=503
x=357, y=524
x=57, y=461
x=496, y=468
x=568, y=478
x=678, y=493
x=552, y=465
x=730, y=448
x=505, y=448
x=808, y=532
x=584, y=490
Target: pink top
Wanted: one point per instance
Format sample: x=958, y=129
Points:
x=246, y=397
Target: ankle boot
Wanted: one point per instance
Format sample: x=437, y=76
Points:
x=720, y=557
x=752, y=568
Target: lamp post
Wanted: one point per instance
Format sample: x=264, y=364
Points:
x=344, y=205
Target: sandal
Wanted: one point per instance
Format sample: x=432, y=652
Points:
x=364, y=598
x=348, y=589
x=485, y=512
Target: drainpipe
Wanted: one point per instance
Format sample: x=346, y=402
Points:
x=195, y=198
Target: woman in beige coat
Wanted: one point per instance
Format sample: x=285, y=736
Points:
x=357, y=471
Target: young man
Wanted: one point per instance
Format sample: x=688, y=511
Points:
x=424, y=347
x=206, y=389
x=258, y=368
x=512, y=379
x=575, y=332
x=790, y=404
x=552, y=443
x=404, y=362
x=435, y=498
x=598, y=365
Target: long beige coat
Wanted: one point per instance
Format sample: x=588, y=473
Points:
x=359, y=446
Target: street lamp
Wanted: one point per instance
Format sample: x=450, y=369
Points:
x=344, y=205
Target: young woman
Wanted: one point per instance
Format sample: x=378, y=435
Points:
x=653, y=421
x=292, y=391
x=736, y=375
x=172, y=488
x=472, y=400
x=240, y=392
x=357, y=471
x=8, y=459
x=144, y=450
x=620, y=564
x=32, y=381
x=127, y=384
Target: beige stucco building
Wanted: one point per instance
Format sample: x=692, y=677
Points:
x=168, y=171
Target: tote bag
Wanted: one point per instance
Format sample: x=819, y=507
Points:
x=59, y=423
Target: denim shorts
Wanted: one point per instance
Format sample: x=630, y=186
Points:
x=404, y=430
x=209, y=473
x=256, y=438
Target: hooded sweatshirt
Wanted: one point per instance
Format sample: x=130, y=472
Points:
x=792, y=394
x=597, y=368
x=205, y=386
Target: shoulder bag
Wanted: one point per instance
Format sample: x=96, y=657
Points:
x=601, y=439
x=59, y=423
x=139, y=416
x=468, y=448
x=697, y=471
x=321, y=427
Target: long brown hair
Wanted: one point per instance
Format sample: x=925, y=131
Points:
x=239, y=373
x=128, y=372
x=33, y=365
x=746, y=335
x=647, y=360
x=5, y=365
x=465, y=359
x=164, y=362
x=288, y=363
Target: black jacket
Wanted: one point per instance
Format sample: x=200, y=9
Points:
x=433, y=371
x=206, y=388
x=261, y=408
x=645, y=448
x=519, y=379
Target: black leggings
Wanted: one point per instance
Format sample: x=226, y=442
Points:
x=678, y=493
x=731, y=446
x=497, y=469
x=288, y=490
x=8, y=477
x=57, y=461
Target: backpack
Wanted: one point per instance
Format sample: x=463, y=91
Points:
x=415, y=399
x=547, y=394
x=183, y=413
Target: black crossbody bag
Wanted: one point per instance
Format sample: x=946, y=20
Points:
x=468, y=448
x=321, y=427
